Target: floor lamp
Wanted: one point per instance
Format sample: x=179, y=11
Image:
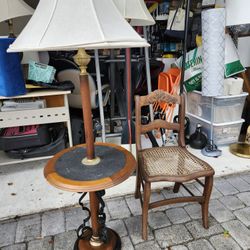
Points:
x=137, y=14
x=237, y=13
x=90, y=24
x=79, y=25
x=11, y=9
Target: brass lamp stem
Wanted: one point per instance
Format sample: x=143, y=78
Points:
x=82, y=59
x=11, y=30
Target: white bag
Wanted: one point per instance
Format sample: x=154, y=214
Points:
x=176, y=22
x=176, y=19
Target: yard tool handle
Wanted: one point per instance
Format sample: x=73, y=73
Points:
x=184, y=46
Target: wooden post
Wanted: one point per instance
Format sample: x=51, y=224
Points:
x=83, y=59
x=87, y=116
x=94, y=208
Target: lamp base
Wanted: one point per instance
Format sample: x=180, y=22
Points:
x=211, y=150
x=240, y=149
x=113, y=242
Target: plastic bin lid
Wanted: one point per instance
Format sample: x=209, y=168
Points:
x=216, y=124
x=243, y=94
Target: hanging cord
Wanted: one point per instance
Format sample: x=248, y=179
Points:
x=102, y=216
x=82, y=229
x=185, y=46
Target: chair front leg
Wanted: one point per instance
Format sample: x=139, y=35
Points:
x=176, y=187
x=137, y=184
x=206, y=194
x=146, y=199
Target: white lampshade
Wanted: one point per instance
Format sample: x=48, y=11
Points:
x=237, y=12
x=68, y=25
x=14, y=8
x=136, y=11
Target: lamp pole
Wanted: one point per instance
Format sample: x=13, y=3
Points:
x=82, y=59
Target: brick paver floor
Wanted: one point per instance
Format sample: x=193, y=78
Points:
x=176, y=227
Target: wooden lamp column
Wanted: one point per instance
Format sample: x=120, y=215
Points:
x=82, y=59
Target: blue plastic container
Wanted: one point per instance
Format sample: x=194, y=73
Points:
x=11, y=75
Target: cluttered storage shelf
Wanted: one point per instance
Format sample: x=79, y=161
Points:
x=35, y=108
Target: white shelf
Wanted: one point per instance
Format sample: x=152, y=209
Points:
x=38, y=93
x=5, y=160
x=47, y=115
x=33, y=116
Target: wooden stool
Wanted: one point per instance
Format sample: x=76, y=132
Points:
x=67, y=172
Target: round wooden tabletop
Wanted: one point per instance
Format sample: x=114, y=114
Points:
x=67, y=172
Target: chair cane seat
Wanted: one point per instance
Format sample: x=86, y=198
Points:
x=172, y=163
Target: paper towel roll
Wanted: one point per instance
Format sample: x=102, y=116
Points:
x=213, y=50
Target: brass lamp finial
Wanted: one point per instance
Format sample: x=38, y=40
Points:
x=82, y=59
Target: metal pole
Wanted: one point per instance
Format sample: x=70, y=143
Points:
x=112, y=86
x=149, y=84
x=128, y=92
x=99, y=90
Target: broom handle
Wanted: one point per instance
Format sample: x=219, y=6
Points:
x=184, y=47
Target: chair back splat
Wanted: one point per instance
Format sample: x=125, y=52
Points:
x=169, y=163
x=159, y=96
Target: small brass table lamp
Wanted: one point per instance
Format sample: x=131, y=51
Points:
x=11, y=9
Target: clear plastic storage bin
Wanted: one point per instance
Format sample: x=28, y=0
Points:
x=223, y=133
x=226, y=108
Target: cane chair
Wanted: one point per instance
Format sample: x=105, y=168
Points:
x=171, y=163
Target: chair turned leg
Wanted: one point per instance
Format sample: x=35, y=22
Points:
x=176, y=187
x=147, y=193
x=137, y=185
x=206, y=194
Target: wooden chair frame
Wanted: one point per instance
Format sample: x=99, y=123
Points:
x=144, y=181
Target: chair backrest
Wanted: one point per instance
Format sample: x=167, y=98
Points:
x=152, y=98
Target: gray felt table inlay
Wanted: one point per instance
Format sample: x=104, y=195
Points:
x=70, y=164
